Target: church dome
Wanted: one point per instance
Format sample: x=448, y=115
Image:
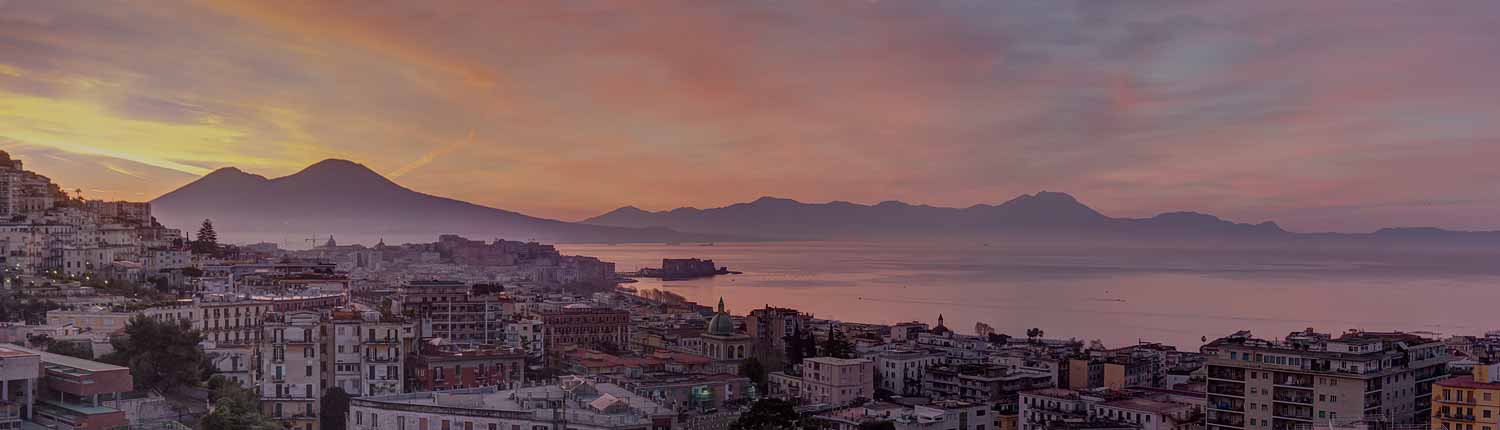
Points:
x=721, y=324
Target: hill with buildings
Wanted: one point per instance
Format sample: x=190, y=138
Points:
x=344, y=197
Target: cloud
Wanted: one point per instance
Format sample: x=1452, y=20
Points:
x=1295, y=111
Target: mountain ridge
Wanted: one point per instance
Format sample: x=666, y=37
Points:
x=1045, y=213
x=336, y=196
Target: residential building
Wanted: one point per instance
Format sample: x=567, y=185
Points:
x=902, y=372
x=837, y=381
x=1464, y=402
x=586, y=327
x=1311, y=377
x=1066, y=409
x=775, y=325
x=456, y=311
x=440, y=367
x=364, y=352
x=289, y=371
x=980, y=383
x=590, y=406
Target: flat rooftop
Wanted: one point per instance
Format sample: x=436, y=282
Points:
x=59, y=360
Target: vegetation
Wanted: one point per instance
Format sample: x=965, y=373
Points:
x=208, y=240
x=753, y=369
x=1034, y=334
x=235, y=408
x=160, y=354
x=71, y=349
x=768, y=414
x=799, y=348
x=334, y=409
x=837, y=345
x=31, y=311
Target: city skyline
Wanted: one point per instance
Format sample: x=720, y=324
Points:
x=1267, y=111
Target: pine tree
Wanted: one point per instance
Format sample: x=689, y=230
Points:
x=208, y=239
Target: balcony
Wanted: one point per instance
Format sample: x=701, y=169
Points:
x=1226, y=403
x=1292, y=396
x=1450, y=416
x=378, y=359
x=1226, y=419
x=1303, y=413
x=1293, y=380
x=382, y=340
x=1226, y=388
x=1226, y=373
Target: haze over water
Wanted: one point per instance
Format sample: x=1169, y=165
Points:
x=1116, y=294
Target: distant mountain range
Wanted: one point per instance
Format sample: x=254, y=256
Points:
x=347, y=198
x=1044, y=214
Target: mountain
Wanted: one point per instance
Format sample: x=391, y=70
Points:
x=1044, y=213
x=347, y=198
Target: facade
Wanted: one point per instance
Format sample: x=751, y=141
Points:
x=449, y=367
x=289, y=376
x=980, y=383
x=721, y=341
x=455, y=311
x=837, y=381
x=1464, y=402
x=903, y=372
x=1062, y=409
x=364, y=352
x=585, y=327
x=69, y=392
x=775, y=325
x=1313, y=378
x=591, y=406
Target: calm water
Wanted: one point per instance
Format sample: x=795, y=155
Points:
x=1115, y=294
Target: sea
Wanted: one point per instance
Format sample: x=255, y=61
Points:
x=1119, y=294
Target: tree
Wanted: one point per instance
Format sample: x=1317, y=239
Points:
x=751, y=368
x=1032, y=334
x=71, y=349
x=837, y=346
x=768, y=414
x=795, y=349
x=235, y=408
x=160, y=354
x=208, y=240
x=999, y=338
x=334, y=409
x=983, y=330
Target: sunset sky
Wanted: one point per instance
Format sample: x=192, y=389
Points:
x=1321, y=115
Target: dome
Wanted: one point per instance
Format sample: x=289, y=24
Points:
x=721, y=324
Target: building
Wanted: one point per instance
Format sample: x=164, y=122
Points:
x=684, y=393
x=902, y=372
x=456, y=311
x=590, y=406
x=364, y=352
x=1311, y=378
x=775, y=325
x=1102, y=408
x=290, y=373
x=837, y=381
x=72, y=393
x=980, y=383
x=440, y=367
x=721, y=342
x=585, y=327
x=1463, y=402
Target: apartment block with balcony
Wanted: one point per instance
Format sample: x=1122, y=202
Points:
x=365, y=351
x=902, y=372
x=1311, y=378
x=1468, y=402
x=289, y=371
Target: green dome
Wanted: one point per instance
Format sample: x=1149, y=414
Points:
x=721, y=324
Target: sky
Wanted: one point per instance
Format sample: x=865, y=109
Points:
x=1322, y=116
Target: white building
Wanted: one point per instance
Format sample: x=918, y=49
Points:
x=289, y=377
x=902, y=372
x=589, y=407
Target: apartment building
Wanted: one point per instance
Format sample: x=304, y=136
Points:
x=775, y=325
x=1468, y=402
x=585, y=327
x=902, y=372
x=837, y=381
x=455, y=311
x=364, y=352
x=289, y=373
x=1311, y=378
x=980, y=383
x=1101, y=408
x=447, y=367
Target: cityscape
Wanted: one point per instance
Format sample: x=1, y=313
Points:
x=749, y=215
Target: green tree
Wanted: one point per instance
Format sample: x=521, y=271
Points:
x=751, y=368
x=160, y=354
x=837, y=345
x=208, y=240
x=71, y=349
x=768, y=414
x=235, y=408
x=1032, y=334
x=334, y=409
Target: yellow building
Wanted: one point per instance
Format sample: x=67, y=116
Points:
x=1468, y=402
